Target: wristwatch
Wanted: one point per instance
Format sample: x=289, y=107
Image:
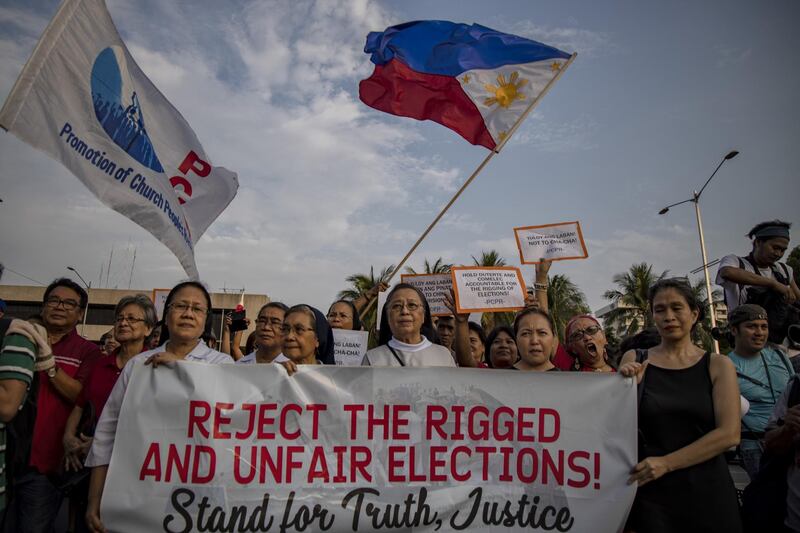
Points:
x=51, y=372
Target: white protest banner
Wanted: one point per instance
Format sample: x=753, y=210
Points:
x=433, y=286
x=556, y=242
x=349, y=346
x=344, y=449
x=159, y=301
x=488, y=289
x=83, y=100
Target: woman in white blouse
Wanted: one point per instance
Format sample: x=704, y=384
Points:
x=187, y=315
x=406, y=332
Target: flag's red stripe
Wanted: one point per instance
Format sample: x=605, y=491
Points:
x=395, y=88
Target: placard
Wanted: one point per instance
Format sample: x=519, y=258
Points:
x=381, y=302
x=343, y=449
x=159, y=301
x=434, y=287
x=556, y=242
x=488, y=289
x=349, y=346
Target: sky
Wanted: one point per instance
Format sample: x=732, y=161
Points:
x=659, y=93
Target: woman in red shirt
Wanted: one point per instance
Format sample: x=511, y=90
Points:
x=135, y=318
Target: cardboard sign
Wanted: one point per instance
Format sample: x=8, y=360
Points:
x=381, y=302
x=434, y=287
x=349, y=346
x=159, y=301
x=488, y=289
x=340, y=449
x=556, y=242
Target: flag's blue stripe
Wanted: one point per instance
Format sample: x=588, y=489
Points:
x=448, y=49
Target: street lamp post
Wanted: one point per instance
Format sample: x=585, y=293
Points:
x=696, y=200
x=88, y=289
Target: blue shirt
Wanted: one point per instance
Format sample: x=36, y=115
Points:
x=762, y=398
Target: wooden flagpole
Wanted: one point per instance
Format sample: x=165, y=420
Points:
x=473, y=176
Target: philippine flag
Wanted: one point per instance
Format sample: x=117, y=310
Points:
x=472, y=79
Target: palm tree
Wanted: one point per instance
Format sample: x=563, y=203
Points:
x=564, y=301
x=702, y=334
x=489, y=259
x=490, y=320
x=632, y=311
x=359, y=285
x=439, y=267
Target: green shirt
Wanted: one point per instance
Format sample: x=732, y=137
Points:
x=16, y=362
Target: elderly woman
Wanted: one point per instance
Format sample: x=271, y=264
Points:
x=536, y=340
x=688, y=416
x=302, y=330
x=187, y=315
x=406, y=330
x=135, y=318
x=587, y=343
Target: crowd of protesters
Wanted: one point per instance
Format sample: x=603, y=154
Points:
x=60, y=394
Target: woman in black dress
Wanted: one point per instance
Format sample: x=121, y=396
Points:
x=688, y=416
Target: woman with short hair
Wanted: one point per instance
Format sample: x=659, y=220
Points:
x=406, y=332
x=135, y=317
x=342, y=314
x=587, y=344
x=501, y=348
x=187, y=316
x=688, y=416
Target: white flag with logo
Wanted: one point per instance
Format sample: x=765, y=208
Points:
x=83, y=100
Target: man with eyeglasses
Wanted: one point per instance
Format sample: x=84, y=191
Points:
x=37, y=449
x=269, y=338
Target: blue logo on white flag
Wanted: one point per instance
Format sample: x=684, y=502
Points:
x=118, y=108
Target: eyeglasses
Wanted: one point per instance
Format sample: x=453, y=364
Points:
x=298, y=330
x=132, y=320
x=55, y=301
x=411, y=306
x=575, y=336
x=273, y=322
x=184, y=307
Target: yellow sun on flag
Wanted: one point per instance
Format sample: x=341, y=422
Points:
x=505, y=92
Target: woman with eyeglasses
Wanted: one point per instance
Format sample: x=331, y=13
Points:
x=343, y=314
x=187, y=316
x=689, y=414
x=307, y=338
x=135, y=318
x=587, y=344
x=268, y=336
x=406, y=332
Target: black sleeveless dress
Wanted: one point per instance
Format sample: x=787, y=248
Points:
x=675, y=409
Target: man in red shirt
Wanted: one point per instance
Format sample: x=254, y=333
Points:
x=35, y=499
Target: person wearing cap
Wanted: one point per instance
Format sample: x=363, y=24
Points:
x=762, y=373
x=760, y=268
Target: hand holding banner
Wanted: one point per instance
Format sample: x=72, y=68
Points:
x=349, y=346
x=556, y=242
x=228, y=448
x=488, y=289
x=433, y=286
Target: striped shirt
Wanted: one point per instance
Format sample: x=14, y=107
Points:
x=104, y=434
x=16, y=362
